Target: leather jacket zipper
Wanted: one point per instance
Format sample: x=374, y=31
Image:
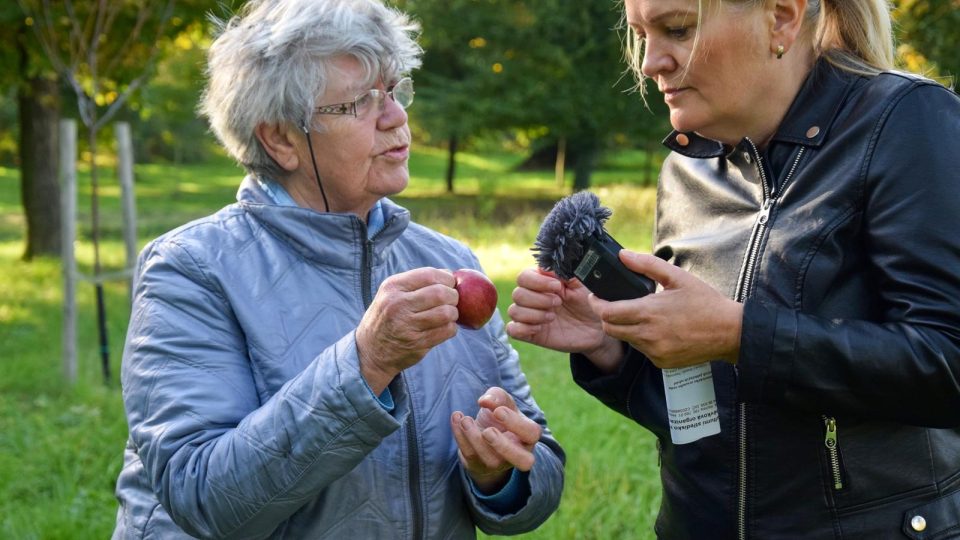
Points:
x=416, y=496
x=833, y=451
x=744, y=284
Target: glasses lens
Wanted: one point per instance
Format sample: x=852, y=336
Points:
x=403, y=92
x=366, y=101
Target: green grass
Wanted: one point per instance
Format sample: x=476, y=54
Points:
x=61, y=446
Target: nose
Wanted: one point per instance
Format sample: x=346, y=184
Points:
x=392, y=116
x=657, y=59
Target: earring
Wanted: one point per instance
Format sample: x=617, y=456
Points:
x=780, y=51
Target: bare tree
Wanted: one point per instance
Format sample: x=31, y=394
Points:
x=89, y=43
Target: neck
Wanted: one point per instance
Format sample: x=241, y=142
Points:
x=792, y=75
x=304, y=191
x=789, y=74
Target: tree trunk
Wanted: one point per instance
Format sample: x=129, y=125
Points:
x=651, y=173
x=39, y=106
x=451, y=162
x=558, y=172
x=588, y=152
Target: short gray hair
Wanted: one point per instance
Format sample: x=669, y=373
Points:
x=270, y=63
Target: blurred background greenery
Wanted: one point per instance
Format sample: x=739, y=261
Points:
x=518, y=103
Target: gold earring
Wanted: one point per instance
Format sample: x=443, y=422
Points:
x=779, y=51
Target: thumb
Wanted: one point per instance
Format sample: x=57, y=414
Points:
x=496, y=397
x=651, y=266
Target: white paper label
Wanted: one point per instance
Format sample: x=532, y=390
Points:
x=691, y=403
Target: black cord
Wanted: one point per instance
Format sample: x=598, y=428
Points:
x=316, y=172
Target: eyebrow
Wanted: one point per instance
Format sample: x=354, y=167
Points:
x=666, y=15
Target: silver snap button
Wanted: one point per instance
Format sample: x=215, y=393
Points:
x=747, y=158
x=813, y=132
x=918, y=523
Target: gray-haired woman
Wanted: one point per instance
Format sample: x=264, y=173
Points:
x=293, y=368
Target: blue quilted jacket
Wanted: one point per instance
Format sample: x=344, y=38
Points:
x=248, y=415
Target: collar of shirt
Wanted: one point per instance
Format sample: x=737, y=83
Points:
x=280, y=197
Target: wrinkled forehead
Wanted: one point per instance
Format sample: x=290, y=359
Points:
x=358, y=74
x=349, y=75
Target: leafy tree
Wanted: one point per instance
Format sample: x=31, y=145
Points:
x=164, y=112
x=548, y=67
x=38, y=110
x=463, y=88
x=930, y=31
x=105, y=51
x=579, y=90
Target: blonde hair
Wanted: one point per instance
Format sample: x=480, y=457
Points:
x=854, y=35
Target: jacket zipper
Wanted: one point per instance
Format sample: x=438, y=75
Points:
x=833, y=451
x=416, y=502
x=415, y=492
x=745, y=282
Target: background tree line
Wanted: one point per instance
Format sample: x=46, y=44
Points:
x=545, y=77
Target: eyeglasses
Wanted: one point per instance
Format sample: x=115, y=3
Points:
x=401, y=93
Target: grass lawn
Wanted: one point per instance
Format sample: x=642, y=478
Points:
x=61, y=446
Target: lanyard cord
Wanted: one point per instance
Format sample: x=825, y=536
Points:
x=316, y=172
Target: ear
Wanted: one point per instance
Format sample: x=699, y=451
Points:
x=786, y=22
x=280, y=141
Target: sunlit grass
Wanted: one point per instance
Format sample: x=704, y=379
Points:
x=61, y=446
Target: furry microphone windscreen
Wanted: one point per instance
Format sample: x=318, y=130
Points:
x=560, y=243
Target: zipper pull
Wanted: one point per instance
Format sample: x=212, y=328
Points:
x=765, y=211
x=831, y=439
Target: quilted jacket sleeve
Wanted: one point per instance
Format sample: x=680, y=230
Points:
x=223, y=463
x=546, y=476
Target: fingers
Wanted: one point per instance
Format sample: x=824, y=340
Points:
x=619, y=312
x=478, y=455
x=539, y=281
x=522, y=331
x=422, y=298
x=651, y=266
x=525, y=429
x=496, y=397
x=418, y=278
x=534, y=299
x=513, y=453
x=492, y=449
x=505, y=412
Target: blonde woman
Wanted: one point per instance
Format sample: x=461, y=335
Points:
x=808, y=247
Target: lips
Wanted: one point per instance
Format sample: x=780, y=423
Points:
x=670, y=94
x=398, y=153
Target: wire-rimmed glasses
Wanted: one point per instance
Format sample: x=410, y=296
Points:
x=401, y=92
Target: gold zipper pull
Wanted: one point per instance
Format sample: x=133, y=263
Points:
x=833, y=453
x=831, y=439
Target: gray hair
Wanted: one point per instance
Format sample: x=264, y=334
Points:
x=270, y=63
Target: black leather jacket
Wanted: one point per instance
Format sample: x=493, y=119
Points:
x=842, y=239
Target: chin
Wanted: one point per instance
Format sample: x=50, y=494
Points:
x=394, y=185
x=688, y=122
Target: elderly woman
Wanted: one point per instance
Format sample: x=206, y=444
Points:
x=293, y=368
x=809, y=209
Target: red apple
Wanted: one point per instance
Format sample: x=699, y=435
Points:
x=478, y=298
